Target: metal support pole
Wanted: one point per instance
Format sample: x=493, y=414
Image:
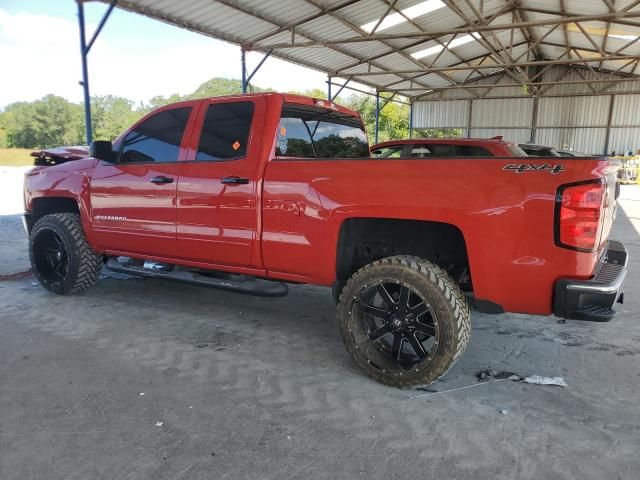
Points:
x=534, y=119
x=607, y=140
x=329, y=97
x=243, y=60
x=85, y=73
x=387, y=101
x=255, y=70
x=377, y=115
x=470, y=119
x=411, y=120
x=105, y=17
x=342, y=87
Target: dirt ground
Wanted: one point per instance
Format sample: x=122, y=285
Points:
x=140, y=379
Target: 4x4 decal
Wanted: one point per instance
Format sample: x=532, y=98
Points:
x=532, y=167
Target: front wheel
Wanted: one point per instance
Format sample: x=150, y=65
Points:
x=61, y=257
x=404, y=321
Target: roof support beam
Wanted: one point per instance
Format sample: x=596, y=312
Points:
x=485, y=21
x=537, y=84
x=245, y=82
x=332, y=98
x=439, y=33
x=500, y=54
x=495, y=66
x=621, y=17
x=358, y=30
x=294, y=25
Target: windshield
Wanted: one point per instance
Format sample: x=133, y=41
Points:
x=312, y=132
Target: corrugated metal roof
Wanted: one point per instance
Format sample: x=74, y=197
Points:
x=333, y=36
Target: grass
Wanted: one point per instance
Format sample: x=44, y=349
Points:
x=16, y=157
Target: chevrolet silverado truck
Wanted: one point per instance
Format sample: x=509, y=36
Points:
x=250, y=193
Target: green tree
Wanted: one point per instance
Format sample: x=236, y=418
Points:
x=218, y=86
x=43, y=123
x=112, y=115
x=3, y=129
x=393, y=120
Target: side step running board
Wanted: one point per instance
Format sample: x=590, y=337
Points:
x=235, y=283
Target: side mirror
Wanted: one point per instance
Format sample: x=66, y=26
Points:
x=102, y=150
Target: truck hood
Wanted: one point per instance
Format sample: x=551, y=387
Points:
x=58, y=155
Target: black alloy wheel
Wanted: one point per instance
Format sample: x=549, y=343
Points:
x=403, y=320
x=61, y=257
x=399, y=329
x=51, y=256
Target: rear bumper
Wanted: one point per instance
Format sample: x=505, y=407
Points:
x=593, y=299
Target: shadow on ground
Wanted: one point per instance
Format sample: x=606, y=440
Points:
x=246, y=387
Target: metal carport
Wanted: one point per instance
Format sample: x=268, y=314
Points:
x=429, y=50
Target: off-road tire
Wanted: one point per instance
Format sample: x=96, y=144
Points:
x=435, y=286
x=84, y=264
x=336, y=290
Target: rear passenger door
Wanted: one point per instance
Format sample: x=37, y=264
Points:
x=218, y=186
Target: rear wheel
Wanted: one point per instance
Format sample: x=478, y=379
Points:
x=61, y=258
x=404, y=321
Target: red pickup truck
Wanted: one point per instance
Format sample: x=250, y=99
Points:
x=251, y=192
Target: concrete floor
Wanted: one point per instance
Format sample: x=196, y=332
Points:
x=263, y=388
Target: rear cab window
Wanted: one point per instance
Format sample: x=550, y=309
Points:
x=316, y=132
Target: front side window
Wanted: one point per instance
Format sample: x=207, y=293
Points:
x=225, y=132
x=312, y=132
x=157, y=139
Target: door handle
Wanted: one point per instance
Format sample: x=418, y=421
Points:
x=160, y=179
x=235, y=181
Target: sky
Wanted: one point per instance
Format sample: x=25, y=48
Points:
x=134, y=57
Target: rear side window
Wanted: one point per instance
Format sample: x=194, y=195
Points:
x=312, y=132
x=225, y=132
x=294, y=139
x=157, y=139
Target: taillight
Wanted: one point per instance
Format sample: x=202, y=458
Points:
x=577, y=216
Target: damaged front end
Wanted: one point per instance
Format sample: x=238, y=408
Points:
x=58, y=155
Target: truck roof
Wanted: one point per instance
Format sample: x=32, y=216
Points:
x=286, y=98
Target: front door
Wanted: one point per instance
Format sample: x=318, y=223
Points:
x=134, y=199
x=217, y=191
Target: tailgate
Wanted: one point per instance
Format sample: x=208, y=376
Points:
x=612, y=192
